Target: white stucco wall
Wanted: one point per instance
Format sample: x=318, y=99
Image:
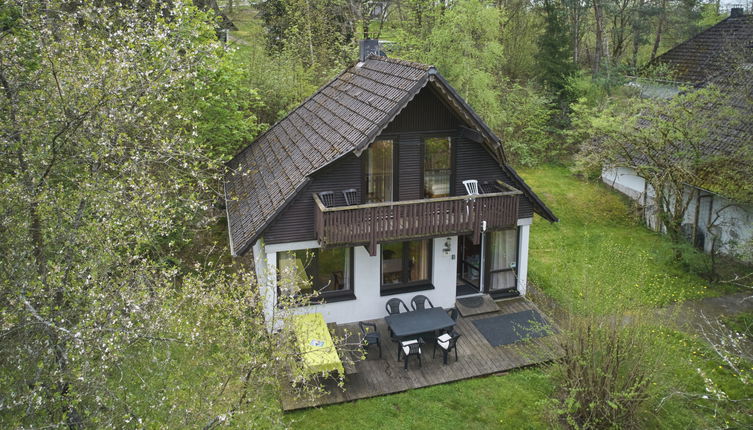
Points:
x=369, y=304
x=725, y=225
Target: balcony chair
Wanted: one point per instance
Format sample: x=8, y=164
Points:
x=471, y=187
x=327, y=198
x=453, y=313
x=447, y=342
x=410, y=348
x=351, y=196
x=393, y=306
x=370, y=336
x=419, y=302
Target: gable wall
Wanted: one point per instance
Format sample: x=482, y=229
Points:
x=425, y=115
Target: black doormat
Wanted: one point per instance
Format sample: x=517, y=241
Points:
x=512, y=328
x=465, y=289
x=472, y=302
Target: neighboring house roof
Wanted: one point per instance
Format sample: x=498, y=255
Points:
x=721, y=56
x=732, y=140
x=343, y=116
x=709, y=52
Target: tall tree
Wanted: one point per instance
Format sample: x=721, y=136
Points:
x=553, y=59
x=109, y=170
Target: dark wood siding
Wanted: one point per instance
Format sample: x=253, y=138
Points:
x=426, y=112
x=473, y=161
x=409, y=162
x=296, y=222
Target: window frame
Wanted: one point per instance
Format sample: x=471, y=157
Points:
x=407, y=286
x=395, y=170
x=323, y=296
x=453, y=152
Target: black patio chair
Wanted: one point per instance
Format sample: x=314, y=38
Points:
x=411, y=348
x=447, y=342
x=351, y=196
x=454, y=313
x=370, y=336
x=327, y=198
x=419, y=302
x=393, y=306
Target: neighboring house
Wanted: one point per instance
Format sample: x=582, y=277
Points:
x=722, y=56
x=359, y=192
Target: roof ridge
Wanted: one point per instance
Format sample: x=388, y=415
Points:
x=413, y=64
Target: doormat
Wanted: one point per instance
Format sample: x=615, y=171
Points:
x=487, y=305
x=465, y=289
x=472, y=302
x=513, y=328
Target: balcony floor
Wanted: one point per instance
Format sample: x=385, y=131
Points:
x=476, y=357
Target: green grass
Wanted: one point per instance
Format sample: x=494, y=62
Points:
x=600, y=247
x=502, y=401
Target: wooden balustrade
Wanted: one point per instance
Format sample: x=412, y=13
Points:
x=369, y=224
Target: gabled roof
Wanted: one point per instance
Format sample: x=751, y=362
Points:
x=709, y=52
x=343, y=116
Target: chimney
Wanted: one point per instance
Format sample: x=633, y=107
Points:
x=736, y=12
x=368, y=47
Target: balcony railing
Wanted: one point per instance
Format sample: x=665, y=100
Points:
x=369, y=224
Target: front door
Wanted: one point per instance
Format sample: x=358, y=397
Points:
x=469, y=266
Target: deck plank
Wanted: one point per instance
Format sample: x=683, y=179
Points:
x=476, y=357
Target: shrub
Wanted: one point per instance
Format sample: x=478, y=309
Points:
x=605, y=376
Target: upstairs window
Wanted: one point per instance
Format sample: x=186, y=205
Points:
x=379, y=171
x=327, y=271
x=437, y=167
x=406, y=265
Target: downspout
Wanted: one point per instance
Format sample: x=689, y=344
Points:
x=482, y=263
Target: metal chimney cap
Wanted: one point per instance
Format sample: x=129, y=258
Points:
x=368, y=47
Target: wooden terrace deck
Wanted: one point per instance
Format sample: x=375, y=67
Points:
x=476, y=357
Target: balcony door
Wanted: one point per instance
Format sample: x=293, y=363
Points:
x=502, y=259
x=380, y=171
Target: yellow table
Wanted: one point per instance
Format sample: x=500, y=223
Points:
x=317, y=349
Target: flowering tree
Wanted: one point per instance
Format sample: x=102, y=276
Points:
x=114, y=123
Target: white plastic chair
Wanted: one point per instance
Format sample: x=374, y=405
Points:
x=471, y=187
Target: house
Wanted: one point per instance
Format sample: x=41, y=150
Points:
x=721, y=56
x=360, y=193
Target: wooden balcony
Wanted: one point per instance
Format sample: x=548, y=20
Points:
x=369, y=224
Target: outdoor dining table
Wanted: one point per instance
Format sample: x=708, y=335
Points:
x=417, y=322
x=317, y=349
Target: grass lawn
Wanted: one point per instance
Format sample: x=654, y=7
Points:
x=600, y=247
x=501, y=401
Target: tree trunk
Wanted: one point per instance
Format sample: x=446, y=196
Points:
x=636, y=35
x=599, y=23
x=659, y=29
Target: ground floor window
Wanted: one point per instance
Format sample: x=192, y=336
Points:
x=503, y=259
x=406, y=266
x=329, y=272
